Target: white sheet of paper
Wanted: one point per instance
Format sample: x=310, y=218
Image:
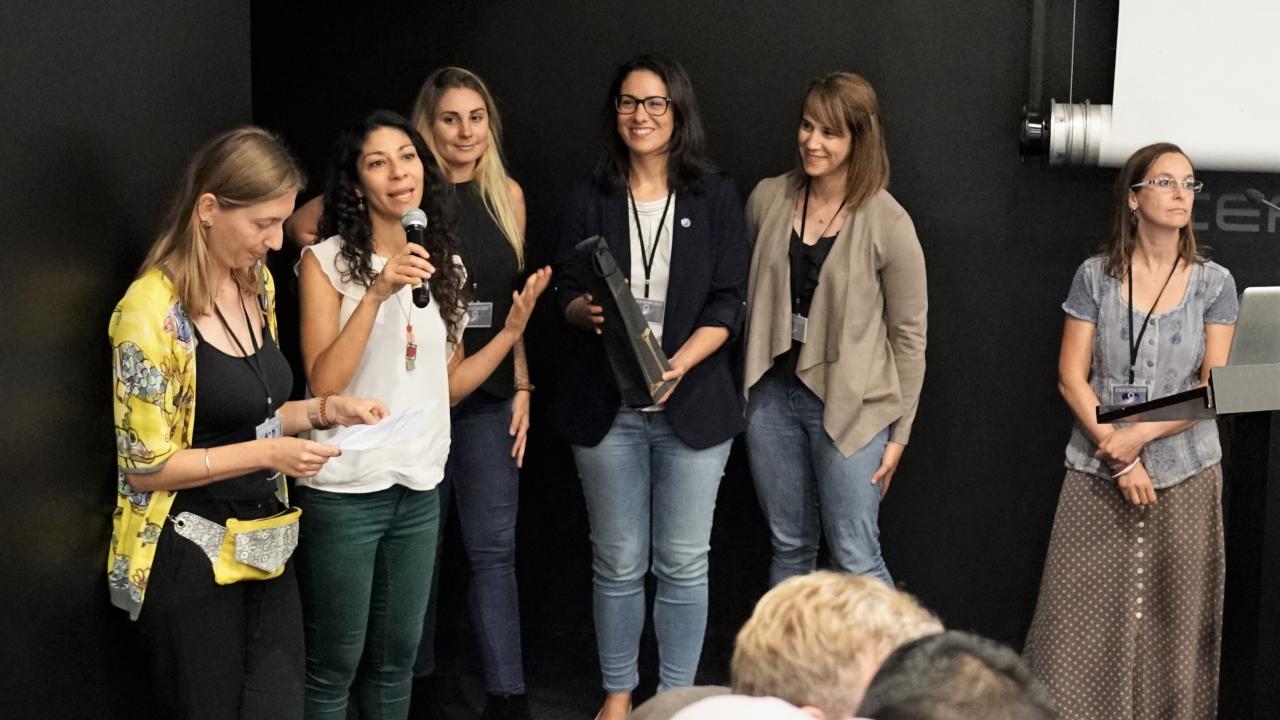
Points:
x=391, y=430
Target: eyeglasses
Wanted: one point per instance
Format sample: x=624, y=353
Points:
x=655, y=105
x=1164, y=183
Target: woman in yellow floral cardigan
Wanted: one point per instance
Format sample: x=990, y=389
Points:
x=204, y=298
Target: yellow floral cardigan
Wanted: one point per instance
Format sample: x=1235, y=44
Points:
x=153, y=352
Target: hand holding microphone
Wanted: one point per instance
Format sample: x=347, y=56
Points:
x=411, y=266
x=414, y=222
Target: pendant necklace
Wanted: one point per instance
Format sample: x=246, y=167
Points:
x=410, y=346
x=804, y=215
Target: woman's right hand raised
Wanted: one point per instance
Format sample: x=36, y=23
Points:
x=584, y=314
x=523, y=302
x=408, y=267
x=297, y=457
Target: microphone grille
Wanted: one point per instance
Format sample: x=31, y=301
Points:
x=413, y=217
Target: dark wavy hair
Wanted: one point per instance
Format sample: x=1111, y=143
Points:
x=345, y=215
x=1117, y=249
x=687, y=159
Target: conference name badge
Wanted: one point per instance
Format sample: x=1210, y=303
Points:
x=1129, y=394
x=799, y=327
x=653, y=311
x=479, y=315
x=272, y=427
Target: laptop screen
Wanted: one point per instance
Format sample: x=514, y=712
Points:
x=1257, y=337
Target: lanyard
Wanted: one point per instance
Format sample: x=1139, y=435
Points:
x=1135, y=343
x=647, y=257
x=253, y=361
x=804, y=220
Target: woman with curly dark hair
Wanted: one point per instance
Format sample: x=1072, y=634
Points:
x=368, y=543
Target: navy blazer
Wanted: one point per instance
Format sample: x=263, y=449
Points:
x=710, y=255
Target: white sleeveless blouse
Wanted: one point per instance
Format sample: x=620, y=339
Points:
x=416, y=464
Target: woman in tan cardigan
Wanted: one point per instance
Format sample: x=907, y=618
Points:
x=835, y=335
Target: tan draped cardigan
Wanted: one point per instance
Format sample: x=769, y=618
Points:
x=864, y=350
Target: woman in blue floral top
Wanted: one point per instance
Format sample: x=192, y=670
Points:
x=1129, y=617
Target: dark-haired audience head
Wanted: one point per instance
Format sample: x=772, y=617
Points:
x=816, y=640
x=379, y=168
x=956, y=676
x=845, y=104
x=1135, y=207
x=674, y=131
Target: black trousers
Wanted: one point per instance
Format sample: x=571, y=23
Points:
x=219, y=652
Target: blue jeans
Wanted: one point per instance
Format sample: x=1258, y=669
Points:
x=806, y=486
x=364, y=568
x=483, y=479
x=645, y=488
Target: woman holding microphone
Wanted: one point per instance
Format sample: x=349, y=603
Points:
x=372, y=519
x=458, y=118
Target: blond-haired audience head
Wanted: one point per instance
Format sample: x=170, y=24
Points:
x=816, y=640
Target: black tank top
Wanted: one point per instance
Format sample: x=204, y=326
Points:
x=806, y=265
x=492, y=274
x=230, y=403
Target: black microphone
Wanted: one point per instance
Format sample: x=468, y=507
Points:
x=1260, y=199
x=414, y=222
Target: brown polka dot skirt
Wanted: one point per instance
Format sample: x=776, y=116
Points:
x=1129, y=619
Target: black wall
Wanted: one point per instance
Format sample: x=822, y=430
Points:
x=103, y=104
x=102, y=107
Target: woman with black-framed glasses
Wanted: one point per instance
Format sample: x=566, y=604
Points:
x=650, y=475
x=1129, y=617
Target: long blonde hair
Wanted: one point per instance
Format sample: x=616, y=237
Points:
x=491, y=173
x=239, y=167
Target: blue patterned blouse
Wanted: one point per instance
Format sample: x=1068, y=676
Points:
x=1168, y=362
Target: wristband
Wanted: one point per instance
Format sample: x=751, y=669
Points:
x=324, y=419
x=1128, y=468
x=208, y=466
